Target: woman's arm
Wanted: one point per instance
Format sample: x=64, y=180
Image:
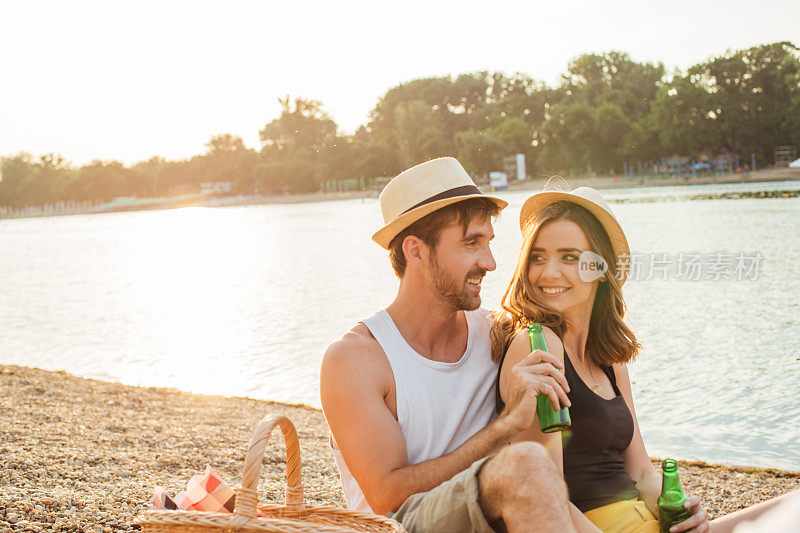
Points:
x=641, y=470
x=637, y=462
x=517, y=350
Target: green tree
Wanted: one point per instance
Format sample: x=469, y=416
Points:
x=745, y=101
x=100, y=181
x=590, y=118
x=479, y=151
x=642, y=141
x=293, y=146
x=145, y=177
x=680, y=115
x=514, y=135
x=752, y=93
x=614, y=77
x=13, y=171
x=419, y=119
x=373, y=155
x=301, y=125
x=568, y=137
x=611, y=126
x=420, y=132
x=43, y=183
x=228, y=159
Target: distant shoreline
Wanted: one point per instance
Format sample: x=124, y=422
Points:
x=617, y=182
x=82, y=452
x=536, y=184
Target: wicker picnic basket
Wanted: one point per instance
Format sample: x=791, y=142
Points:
x=248, y=517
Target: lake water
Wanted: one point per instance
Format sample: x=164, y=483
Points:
x=243, y=301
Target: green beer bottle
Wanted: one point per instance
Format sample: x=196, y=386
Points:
x=550, y=420
x=670, y=504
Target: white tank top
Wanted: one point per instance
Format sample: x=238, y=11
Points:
x=439, y=405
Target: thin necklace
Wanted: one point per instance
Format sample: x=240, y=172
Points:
x=596, y=387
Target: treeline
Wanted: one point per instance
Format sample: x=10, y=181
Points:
x=607, y=111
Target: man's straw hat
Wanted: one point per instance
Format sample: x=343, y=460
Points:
x=421, y=190
x=591, y=200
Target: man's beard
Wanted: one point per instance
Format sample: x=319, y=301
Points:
x=451, y=291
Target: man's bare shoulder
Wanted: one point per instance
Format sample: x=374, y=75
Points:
x=356, y=351
x=357, y=342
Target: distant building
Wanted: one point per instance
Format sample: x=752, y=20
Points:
x=514, y=167
x=498, y=181
x=215, y=187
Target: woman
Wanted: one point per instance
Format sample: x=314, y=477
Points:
x=612, y=484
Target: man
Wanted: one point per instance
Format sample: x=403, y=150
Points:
x=409, y=392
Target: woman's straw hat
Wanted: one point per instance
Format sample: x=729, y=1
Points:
x=593, y=201
x=421, y=190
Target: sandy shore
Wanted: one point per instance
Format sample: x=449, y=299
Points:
x=84, y=455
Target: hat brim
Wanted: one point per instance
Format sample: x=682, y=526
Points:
x=385, y=235
x=540, y=200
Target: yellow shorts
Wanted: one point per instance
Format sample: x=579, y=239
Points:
x=627, y=516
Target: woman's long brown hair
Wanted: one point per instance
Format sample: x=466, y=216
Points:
x=610, y=339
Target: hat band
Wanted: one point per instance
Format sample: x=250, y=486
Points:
x=449, y=193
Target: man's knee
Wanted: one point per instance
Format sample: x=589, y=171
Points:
x=524, y=460
x=518, y=465
x=514, y=476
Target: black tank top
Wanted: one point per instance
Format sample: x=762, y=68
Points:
x=601, y=430
x=592, y=450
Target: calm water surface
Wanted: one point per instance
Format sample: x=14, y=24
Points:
x=243, y=300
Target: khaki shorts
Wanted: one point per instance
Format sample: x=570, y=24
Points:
x=626, y=516
x=452, y=506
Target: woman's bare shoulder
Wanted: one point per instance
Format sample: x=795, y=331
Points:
x=520, y=345
x=623, y=378
x=554, y=344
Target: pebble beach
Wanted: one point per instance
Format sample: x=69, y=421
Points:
x=84, y=455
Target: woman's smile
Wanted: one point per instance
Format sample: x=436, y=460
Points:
x=554, y=291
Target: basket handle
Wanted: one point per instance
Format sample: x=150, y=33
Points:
x=247, y=495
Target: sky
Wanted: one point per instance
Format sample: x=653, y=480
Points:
x=128, y=81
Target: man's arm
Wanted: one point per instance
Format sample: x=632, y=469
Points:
x=355, y=379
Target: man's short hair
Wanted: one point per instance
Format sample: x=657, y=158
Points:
x=429, y=227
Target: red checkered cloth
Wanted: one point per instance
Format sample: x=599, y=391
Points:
x=206, y=492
